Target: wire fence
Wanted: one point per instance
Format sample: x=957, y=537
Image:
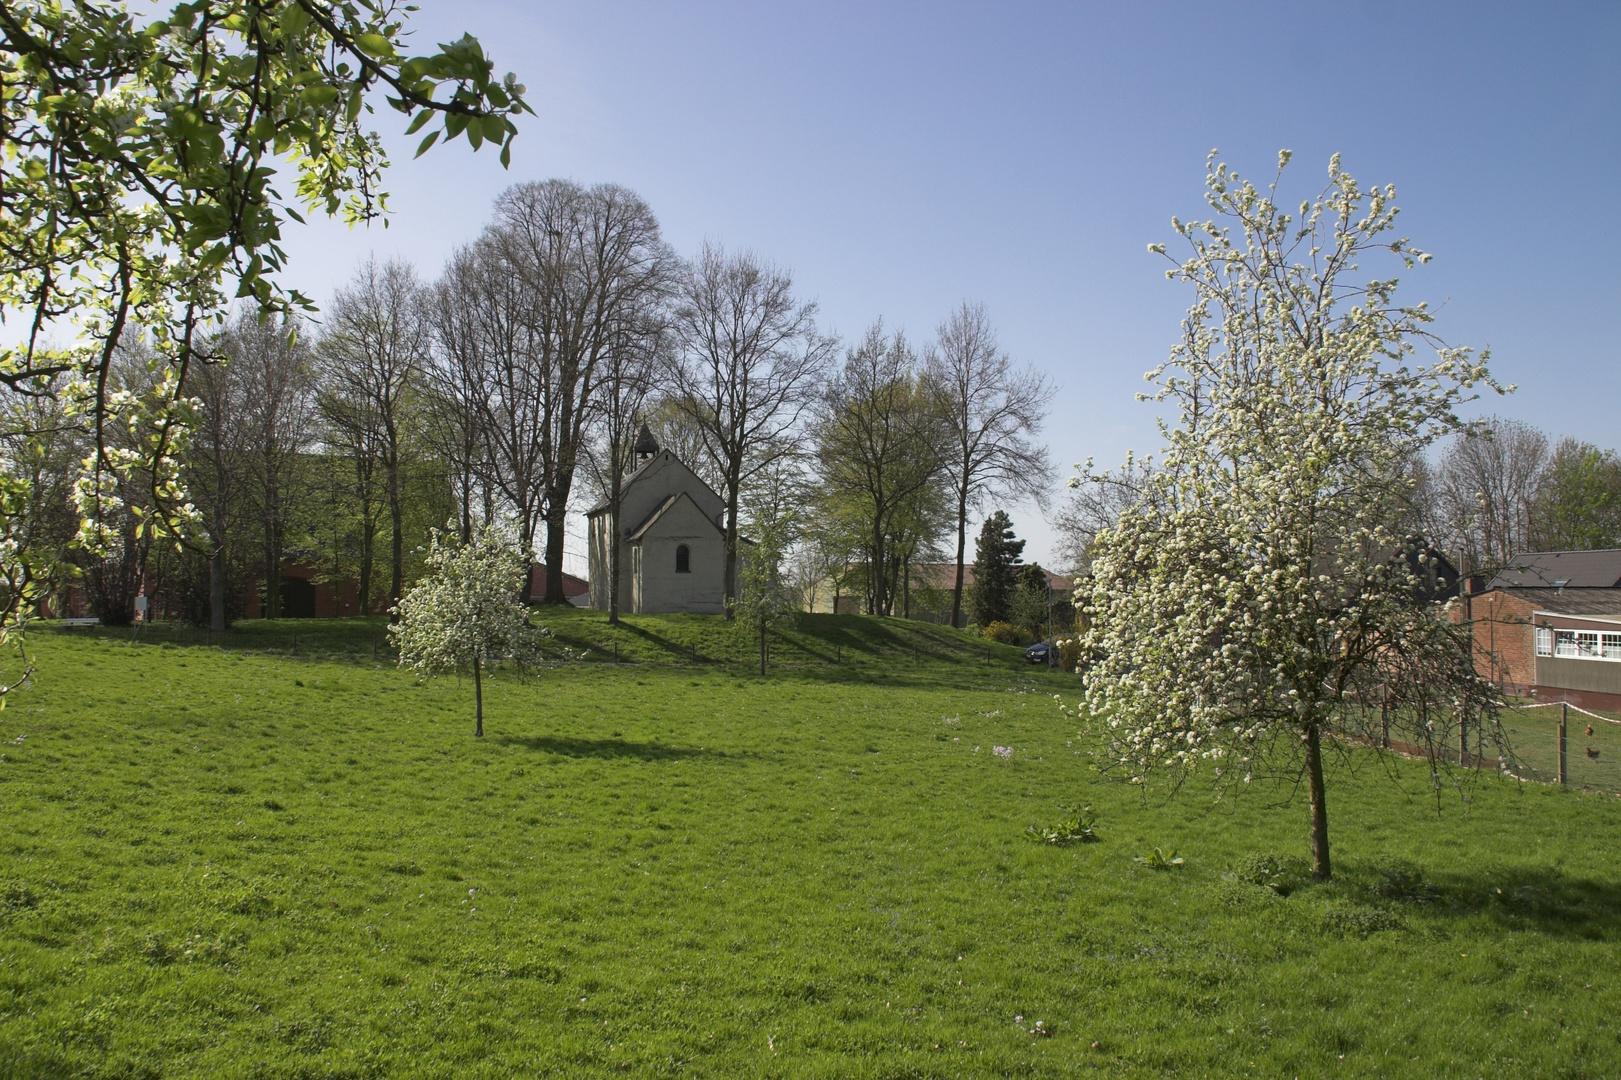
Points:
x=1559, y=743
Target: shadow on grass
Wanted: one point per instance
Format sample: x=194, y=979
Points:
x=569, y=746
x=1541, y=899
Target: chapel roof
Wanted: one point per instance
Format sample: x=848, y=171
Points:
x=663, y=508
x=603, y=505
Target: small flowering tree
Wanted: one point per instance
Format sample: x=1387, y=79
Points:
x=1260, y=595
x=762, y=598
x=465, y=614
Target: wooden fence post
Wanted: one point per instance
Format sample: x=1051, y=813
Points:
x=1564, y=714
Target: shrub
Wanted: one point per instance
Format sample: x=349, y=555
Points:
x=1075, y=828
x=1160, y=859
x=1006, y=634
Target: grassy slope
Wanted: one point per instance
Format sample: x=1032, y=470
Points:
x=660, y=869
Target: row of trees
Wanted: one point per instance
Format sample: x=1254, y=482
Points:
x=1504, y=487
x=1497, y=487
x=530, y=364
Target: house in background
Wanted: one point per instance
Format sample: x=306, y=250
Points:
x=671, y=539
x=1548, y=625
x=575, y=590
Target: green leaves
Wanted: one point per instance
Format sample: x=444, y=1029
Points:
x=137, y=165
x=374, y=45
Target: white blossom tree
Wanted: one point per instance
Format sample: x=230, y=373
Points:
x=1259, y=599
x=464, y=614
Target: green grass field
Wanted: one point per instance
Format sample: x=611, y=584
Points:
x=235, y=861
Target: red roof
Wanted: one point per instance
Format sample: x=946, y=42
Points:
x=572, y=586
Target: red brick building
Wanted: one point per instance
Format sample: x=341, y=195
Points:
x=1549, y=626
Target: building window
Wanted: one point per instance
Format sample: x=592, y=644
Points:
x=1544, y=641
x=1564, y=643
x=1612, y=646
x=683, y=560
x=1587, y=644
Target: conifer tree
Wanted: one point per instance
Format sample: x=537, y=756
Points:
x=996, y=570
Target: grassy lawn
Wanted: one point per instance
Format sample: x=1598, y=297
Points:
x=234, y=861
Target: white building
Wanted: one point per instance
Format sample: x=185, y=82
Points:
x=672, y=539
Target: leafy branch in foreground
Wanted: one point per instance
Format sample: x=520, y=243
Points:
x=139, y=158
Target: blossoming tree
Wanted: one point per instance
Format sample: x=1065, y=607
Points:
x=465, y=613
x=149, y=160
x=1261, y=597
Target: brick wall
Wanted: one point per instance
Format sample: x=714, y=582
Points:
x=1505, y=646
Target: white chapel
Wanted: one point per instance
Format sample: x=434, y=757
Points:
x=672, y=539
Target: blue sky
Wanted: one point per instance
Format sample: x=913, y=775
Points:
x=903, y=157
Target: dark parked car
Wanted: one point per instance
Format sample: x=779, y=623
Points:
x=1042, y=652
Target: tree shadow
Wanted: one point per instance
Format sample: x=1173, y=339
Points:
x=1545, y=900
x=575, y=747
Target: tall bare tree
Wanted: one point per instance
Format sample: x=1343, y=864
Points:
x=487, y=371
x=584, y=257
x=374, y=346
x=277, y=417
x=995, y=410
x=628, y=373
x=751, y=362
x=1486, y=489
x=883, y=438
x=220, y=446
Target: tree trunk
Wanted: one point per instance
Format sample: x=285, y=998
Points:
x=617, y=481
x=762, y=647
x=396, y=518
x=554, y=557
x=875, y=575
x=730, y=588
x=216, y=591
x=962, y=542
x=467, y=508
x=368, y=546
x=478, y=701
x=272, y=609
x=1320, y=867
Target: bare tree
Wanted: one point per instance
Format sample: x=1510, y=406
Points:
x=487, y=371
x=455, y=402
x=219, y=451
x=1486, y=488
x=671, y=422
x=751, y=362
x=883, y=438
x=627, y=379
x=375, y=344
x=1095, y=503
x=584, y=258
x=995, y=408
x=277, y=413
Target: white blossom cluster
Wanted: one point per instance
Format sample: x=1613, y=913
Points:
x=466, y=608
x=1262, y=587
